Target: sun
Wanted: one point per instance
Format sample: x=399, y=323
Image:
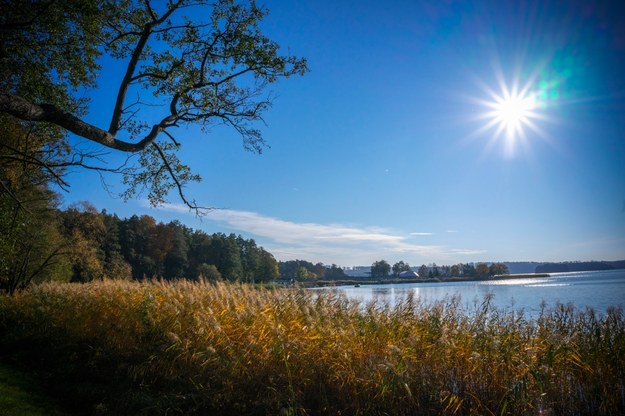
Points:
x=511, y=113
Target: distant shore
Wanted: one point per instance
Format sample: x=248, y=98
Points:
x=358, y=281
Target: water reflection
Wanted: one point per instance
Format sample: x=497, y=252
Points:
x=598, y=290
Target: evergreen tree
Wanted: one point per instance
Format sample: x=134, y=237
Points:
x=176, y=260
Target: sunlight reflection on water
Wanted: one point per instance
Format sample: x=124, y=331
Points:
x=598, y=290
x=514, y=282
x=548, y=285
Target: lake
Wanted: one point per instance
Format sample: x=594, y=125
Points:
x=598, y=290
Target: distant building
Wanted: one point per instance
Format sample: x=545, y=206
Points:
x=358, y=271
x=408, y=274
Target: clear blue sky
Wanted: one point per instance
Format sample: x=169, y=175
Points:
x=382, y=150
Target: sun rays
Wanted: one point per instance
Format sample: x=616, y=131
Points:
x=511, y=113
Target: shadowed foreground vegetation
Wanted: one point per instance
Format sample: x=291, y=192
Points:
x=21, y=395
x=119, y=347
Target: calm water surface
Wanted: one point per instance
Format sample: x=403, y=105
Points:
x=598, y=290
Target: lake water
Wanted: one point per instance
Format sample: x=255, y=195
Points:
x=598, y=290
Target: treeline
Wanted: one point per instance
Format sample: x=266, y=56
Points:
x=465, y=270
x=302, y=270
x=579, y=266
x=169, y=251
x=80, y=244
x=382, y=268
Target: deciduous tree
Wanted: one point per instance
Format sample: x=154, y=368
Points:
x=468, y=270
x=208, y=271
x=85, y=232
x=455, y=270
x=482, y=269
x=399, y=267
x=267, y=267
x=185, y=62
x=333, y=272
x=380, y=268
x=31, y=246
x=498, y=268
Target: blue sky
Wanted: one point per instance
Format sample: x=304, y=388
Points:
x=381, y=151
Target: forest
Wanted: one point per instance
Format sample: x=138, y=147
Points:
x=80, y=244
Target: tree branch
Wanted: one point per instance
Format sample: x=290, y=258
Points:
x=192, y=205
x=14, y=197
x=25, y=110
x=47, y=262
x=123, y=87
x=158, y=76
x=132, y=65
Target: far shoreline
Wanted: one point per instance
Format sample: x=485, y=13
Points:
x=359, y=281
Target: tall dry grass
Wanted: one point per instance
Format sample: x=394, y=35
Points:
x=165, y=348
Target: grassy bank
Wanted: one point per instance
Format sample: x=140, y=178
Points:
x=157, y=348
x=21, y=394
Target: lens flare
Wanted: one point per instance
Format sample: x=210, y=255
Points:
x=510, y=113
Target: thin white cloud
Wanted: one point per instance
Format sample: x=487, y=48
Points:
x=179, y=208
x=421, y=234
x=290, y=232
x=329, y=243
x=467, y=252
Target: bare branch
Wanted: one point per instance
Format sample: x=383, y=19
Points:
x=14, y=197
x=168, y=134
x=191, y=204
x=38, y=162
x=47, y=262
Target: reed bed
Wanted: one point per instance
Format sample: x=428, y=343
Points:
x=221, y=348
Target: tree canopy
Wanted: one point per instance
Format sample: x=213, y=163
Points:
x=399, y=267
x=380, y=268
x=197, y=62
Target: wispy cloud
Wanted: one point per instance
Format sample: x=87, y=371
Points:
x=466, y=251
x=329, y=243
x=291, y=232
x=179, y=208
